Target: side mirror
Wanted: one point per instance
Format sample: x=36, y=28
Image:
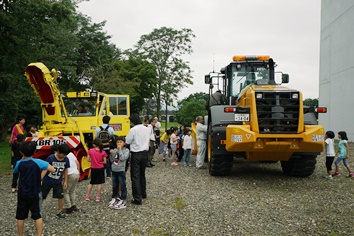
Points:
x=285, y=78
x=207, y=79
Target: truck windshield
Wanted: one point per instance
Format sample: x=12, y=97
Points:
x=247, y=75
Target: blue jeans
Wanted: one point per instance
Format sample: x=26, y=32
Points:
x=187, y=156
x=119, y=179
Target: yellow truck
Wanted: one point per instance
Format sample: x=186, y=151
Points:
x=262, y=120
x=72, y=118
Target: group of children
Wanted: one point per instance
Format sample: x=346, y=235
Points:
x=60, y=173
x=177, y=143
x=342, y=154
x=118, y=157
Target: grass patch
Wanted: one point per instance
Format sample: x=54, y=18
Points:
x=5, y=158
x=169, y=125
x=178, y=203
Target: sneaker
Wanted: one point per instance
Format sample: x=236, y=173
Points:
x=74, y=208
x=336, y=174
x=120, y=206
x=61, y=215
x=110, y=204
x=190, y=165
x=88, y=197
x=97, y=199
x=327, y=176
x=163, y=159
x=68, y=210
x=351, y=175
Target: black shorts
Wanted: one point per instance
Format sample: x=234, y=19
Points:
x=26, y=204
x=97, y=176
x=57, y=190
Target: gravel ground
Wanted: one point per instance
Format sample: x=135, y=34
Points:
x=257, y=199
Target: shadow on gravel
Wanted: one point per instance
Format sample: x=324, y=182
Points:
x=256, y=170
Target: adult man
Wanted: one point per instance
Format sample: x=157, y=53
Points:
x=201, y=133
x=139, y=139
x=216, y=98
x=157, y=130
x=151, y=126
x=110, y=130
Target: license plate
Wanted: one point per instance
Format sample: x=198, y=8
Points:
x=236, y=138
x=242, y=117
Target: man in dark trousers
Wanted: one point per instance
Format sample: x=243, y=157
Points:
x=139, y=139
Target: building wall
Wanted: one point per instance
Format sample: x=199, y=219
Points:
x=336, y=90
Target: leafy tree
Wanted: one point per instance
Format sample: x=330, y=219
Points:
x=43, y=33
x=53, y=33
x=191, y=107
x=311, y=102
x=132, y=76
x=165, y=48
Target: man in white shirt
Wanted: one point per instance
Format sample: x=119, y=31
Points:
x=201, y=133
x=151, y=126
x=157, y=131
x=139, y=140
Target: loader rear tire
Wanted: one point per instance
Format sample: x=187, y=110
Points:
x=299, y=166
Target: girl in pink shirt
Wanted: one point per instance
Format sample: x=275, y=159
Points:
x=97, y=157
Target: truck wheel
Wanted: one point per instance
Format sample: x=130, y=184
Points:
x=299, y=166
x=219, y=165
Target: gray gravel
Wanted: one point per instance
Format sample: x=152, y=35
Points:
x=257, y=199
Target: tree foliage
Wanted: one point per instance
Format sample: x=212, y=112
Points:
x=311, y=102
x=191, y=107
x=165, y=48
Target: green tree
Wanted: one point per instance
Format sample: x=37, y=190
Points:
x=53, y=33
x=311, y=102
x=191, y=107
x=165, y=48
x=42, y=33
x=132, y=76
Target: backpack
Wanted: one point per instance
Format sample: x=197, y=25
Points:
x=105, y=136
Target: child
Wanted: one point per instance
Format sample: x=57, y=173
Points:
x=15, y=157
x=29, y=187
x=330, y=154
x=97, y=157
x=73, y=179
x=343, y=151
x=55, y=180
x=173, y=140
x=187, y=147
x=31, y=131
x=163, y=145
x=118, y=157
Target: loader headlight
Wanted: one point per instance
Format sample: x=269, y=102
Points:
x=295, y=96
x=259, y=95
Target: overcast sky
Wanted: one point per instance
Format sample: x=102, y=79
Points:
x=288, y=31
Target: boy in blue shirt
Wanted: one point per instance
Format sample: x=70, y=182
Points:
x=29, y=186
x=55, y=180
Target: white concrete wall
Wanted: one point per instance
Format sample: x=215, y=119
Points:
x=336, y=90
